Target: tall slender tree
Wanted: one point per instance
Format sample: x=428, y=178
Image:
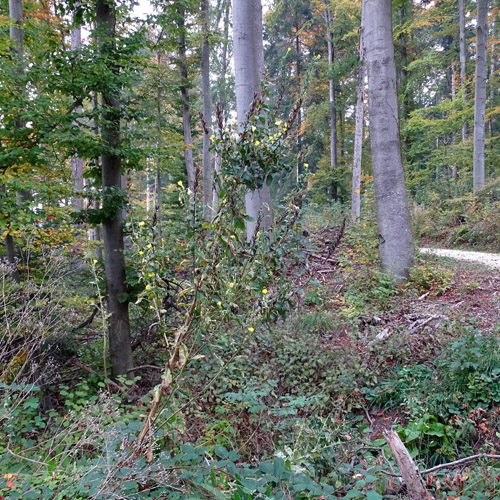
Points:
x=396, y=242
x=480, y=94
x=118, y=306
x=186, y=102
x=331, y=88
x=76, y=161
x=463, y=61
x=208, y=173
x=249, y=72
x=358, y=132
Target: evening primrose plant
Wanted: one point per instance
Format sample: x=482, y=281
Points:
x=203, y=282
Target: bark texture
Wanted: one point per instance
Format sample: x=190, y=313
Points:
x=396, y=242
x=16, y=35
x=412, y=479
x=186, y=105
x=480, y=94
x=118, y=322
x=331, y=90
x=208, y=169
x=249, y=72
x=76, y=161
x=463, y=62
x=358, y=134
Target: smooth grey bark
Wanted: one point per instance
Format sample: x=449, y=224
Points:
x=395, y=238
x=358, y=134
x=16, y=35
x=96, y=236
x=480, y=95
x=120, y=348
x=208, y=166
x=299, y=112
x=331, y=89
x=249, y=72
x=186, y=105
x=76, y=161
x=463, y=62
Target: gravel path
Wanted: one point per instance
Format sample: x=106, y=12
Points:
x=487, y=259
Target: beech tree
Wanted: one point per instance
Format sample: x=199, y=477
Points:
x=358, y=133
x=208, y=173
x=118, y=308
x=480, y=94
x=249, y=73
x=395, y=236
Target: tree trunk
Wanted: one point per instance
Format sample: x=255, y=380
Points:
x=17, y=38
x=76, y=161
x=208, y=169
x=299, y=113
x=463, y=62
x=186, y=106
x=358, y=134
x=249, y=72
x=396, y=242
x=119, y=324
x=480, y=94
x=331, y=90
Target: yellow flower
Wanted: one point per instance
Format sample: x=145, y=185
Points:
x=264, y=291
x=357, y=191
x=224, y=200
x=233, y=236
x=179, y=183
x=251, y=330
x=257, y=143
x=278, y=123
x=140, y=252
x=306, y=165
x=254, y=128
x=288, y=50
x=141, y=223
x=148, y=287
x=212, y=137
x=149, y=245
x=318, y=56
x=94, y=261
x=219, y=303
x=231, y=285
x=151, y=275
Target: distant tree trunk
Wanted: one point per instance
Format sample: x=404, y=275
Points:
x=119, y=324
x=480, y=94
x=331, y=89
x=208, y=169
x=358, y=134
x=249, y=72
x=76, y=161
x=492, y=74
x=396, y=242
x=17, y=39
x=96, y=236
x=463, y=62
x=186, y=105
x=299, y=113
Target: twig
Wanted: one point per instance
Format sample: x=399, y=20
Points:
x=153, y=367
x=88, y=321
x=449, y=465
x=461, y=461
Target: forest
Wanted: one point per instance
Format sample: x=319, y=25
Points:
x=249, y=249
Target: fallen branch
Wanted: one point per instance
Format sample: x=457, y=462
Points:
x=88, y=321
x=461, y=461
x=415, y=485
